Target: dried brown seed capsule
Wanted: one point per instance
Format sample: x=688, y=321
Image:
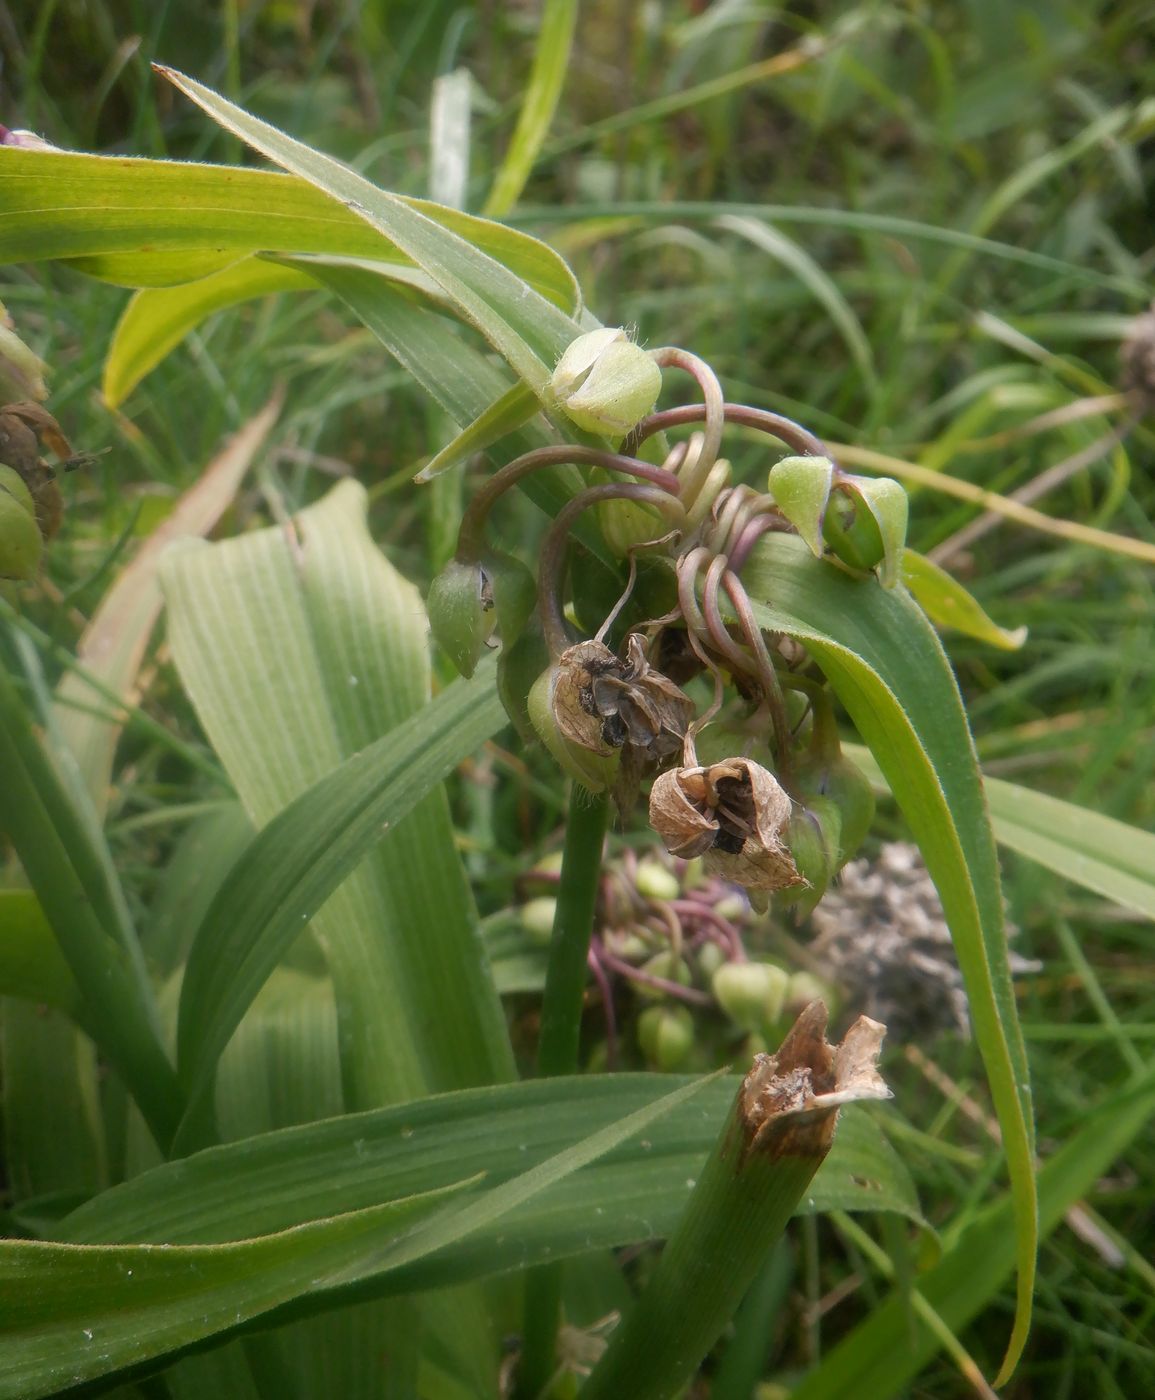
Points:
x=734, y=814
x=604, y=703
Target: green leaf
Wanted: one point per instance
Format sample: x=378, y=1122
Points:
x=157, y=319
x=113, y=645
x=551, y=60
x=69, y=870
x=947, y=603
x=72, y=1313
x=466, y=384
x=296, y=655
x=887, y=667
x=362, y=1159
x=797, y=260
x=1089, y=849
x=32, y=966
x=152, y=223
x=529, y=331
x=513, y=410
x=885, y=1353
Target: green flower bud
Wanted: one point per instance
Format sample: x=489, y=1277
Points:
x=814, y=839
x=21, y=543
x=537, y=917
x=865, y=525
x=595, y=771
x=21, y=370
x=801, y=488
x=666, y=1036
x=605, y=383
x=457, y=614
x=656, y=881
x=751, y=994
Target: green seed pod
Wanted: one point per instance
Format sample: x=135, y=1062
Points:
x=457, y=614
x=803, y=988
x=814, y=839
x=509, y=588
x=21, y=543
x=605, y=383
x=537, y=917
x=865, y=525
x=668, y=966
x=801, y=488
x=518, y=666
x=666, y=1036
x=594, y=771
x=656, y=881
x=844, y=784
x=627, y=524
x=710, y=957
x=751, y=994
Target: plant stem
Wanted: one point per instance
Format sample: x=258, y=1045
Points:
x=557, y=1053
x=773, y=1142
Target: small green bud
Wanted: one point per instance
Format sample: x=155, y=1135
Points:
x=865, y=525
x=668, y=966
x=656, y=881
x=537, y=917
x=666, y=1036
x=595, y=771
x=605, y=383
x=801, y=488
x=751, y=994
x=21, y=543
x=458, y=617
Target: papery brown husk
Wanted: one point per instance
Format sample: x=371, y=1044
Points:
x=734, y=814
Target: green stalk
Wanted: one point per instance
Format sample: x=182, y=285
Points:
x=557, y=1052
x=776, y=1137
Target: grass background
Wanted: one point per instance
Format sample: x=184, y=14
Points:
x=901, y=135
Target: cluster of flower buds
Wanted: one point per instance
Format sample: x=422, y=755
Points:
x=681, y=940
x=615, y=717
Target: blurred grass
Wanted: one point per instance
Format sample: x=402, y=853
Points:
x=895, y=137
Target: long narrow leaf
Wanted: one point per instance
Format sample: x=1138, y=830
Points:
x=1087, y=848
x=153, y=223
x=550, y=64
x=70, y=1313
x=887, y=667
x=529, y=331
x=298, y=651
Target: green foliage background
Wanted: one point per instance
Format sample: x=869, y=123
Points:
x=927, y=228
